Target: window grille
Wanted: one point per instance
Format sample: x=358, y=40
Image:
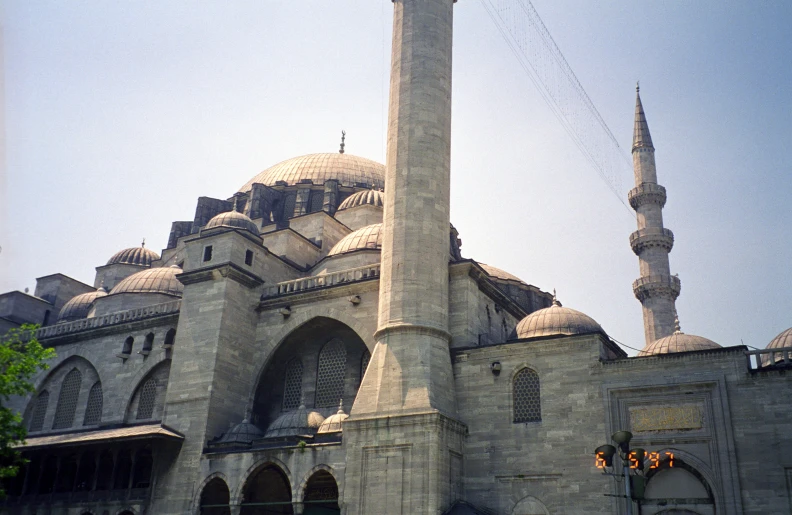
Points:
x=288, y=205
x=317, y=201
x=292, y=388
x=364, y=362
x=67, y=400
x=39, y=411
x=330, y=377
x=527, y=407
x=148, y=395
x=93, y=410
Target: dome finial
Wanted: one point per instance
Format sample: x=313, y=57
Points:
x=341, y=406
x=677, y=328
x=343, y=137
x=638, y=86
x=143, y=243
x=555, y=299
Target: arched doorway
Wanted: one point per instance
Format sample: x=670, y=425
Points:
x=677, y=488
x=267, y=492
x=215, y=498
x=321, y=495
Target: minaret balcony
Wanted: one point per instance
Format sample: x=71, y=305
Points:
x=657, y=286
x=651, y=237
x=647, y=193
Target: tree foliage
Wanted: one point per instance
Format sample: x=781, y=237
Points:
x=21, y=357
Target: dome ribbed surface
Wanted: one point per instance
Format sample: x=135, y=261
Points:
x=332, y=424
x=134, y=256
x=155, y=280
x=497, y=273
x=556, y=320
x=678, y=342
x=779, y=342
x=235, y=220
x=347, y=169
x=243, y=433
x=302, y=421
x=369, y=237
x=363, y=198
x=79, y=306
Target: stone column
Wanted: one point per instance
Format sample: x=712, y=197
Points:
x=656, y=289
x=402, y=428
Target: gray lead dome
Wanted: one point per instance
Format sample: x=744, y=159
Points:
x=233, y=219
x=134, y=256
x=555, y=321
x=363, y=198
x=155, y=280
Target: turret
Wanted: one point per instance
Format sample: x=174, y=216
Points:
x=656, y=289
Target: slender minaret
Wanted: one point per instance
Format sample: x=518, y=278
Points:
x=410, y=368
x=402, y=436
x=657, y=289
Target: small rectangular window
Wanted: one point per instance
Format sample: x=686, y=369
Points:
x=249, y=257
x=207, y=253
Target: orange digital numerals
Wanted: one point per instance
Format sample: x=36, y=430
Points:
x=633, y=459
x=599, y=460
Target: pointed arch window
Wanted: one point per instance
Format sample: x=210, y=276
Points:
x=93, y=410
x=525, y=393
x=170, y=337
x=39, y=411
x=67, y=400
x=147, y=399
x=292, y=387
x=148, y=344
x=330, y=376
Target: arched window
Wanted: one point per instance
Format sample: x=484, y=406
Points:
x=93, y=410
x=292, y=387
x=148, y=396
x=67, y=400
x=215, y=498
x=170, y=337
x=148, y=343
x=39, y=412
x=268, y=485
x=127, y=349
x=330, y=377
x=321, y=492
x=527, y=406
x=364, y=362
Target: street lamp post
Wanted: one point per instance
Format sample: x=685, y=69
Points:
x=630, y=460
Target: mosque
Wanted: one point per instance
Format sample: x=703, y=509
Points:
x=317, y=343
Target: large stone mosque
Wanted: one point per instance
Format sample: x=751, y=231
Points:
x=317, y=343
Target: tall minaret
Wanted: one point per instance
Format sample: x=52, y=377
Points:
x=402, y=433
x=657, y=289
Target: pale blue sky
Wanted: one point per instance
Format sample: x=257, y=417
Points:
x=120, y=114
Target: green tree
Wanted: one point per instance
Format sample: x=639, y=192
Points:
x=21, y=357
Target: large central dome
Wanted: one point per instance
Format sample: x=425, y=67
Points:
x=348, y=170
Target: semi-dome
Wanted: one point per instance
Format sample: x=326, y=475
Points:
x=79, y=306
x=233, y=219
x=134, y=256
x=678, y=342
x=243, y=433
x=347, y=169
x=779, y=342
x=557, y=320
x=332, y=424
x=497, y=273
x=154, y=280
x=369, y=237
x=299, y=422
x=363, y=198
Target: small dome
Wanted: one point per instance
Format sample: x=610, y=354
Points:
x=332, y=424
x=557, y=320
x=243, y=433
x=154, y=280
x=678, y=342
x=369, y=237
x=233, y=219
x=497, y=273
x=363, y=198
x=79, y=306
x=779, y=342
x=347, y=169
x=301, y=421
x=134, y=256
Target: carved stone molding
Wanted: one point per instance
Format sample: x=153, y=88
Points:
x=651, y=237
x=647, y=193
x=657, y=286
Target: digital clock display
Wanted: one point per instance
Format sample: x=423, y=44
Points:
x=636, y=461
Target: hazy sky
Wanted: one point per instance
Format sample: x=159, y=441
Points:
x=119, y=115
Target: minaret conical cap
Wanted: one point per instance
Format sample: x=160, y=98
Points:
x=641, y=136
